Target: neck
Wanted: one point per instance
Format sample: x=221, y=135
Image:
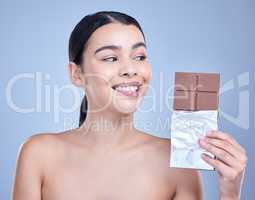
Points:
x=105, y=130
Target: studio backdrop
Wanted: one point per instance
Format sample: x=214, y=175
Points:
x=195, y=36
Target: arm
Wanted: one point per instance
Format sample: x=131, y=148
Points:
x=28, y=173
x=230, y=163
x=189, y=186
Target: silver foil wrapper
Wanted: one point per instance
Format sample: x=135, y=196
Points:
x=186, y=129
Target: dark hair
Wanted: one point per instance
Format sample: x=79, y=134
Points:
x=82, y=32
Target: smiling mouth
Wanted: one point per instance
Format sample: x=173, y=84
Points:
x=128, y=89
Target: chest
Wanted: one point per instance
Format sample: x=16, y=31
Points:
x=105, y=179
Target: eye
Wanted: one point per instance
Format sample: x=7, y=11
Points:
x=110, y=59
x=140, y=58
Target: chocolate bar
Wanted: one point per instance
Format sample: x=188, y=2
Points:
x=196, y=91
x=195, y=111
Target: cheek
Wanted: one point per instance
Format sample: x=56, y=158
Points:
x=146, y=72
x=105, y=72
x=99, y=83
x=99, y=91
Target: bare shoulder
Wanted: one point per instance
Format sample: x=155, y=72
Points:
x=158, y=144
x=157, y=150
x=35, y=144
x=41, y=145
x=31, y=152
x=187, y=182
x=33, y=161
x=40, y=141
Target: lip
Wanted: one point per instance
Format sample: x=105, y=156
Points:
x=133, y=83
x=129, y=93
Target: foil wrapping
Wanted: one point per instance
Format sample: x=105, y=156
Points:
x=186, y=129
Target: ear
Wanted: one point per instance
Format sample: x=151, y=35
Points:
x=75, y=74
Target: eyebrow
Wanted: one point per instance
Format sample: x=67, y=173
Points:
x=115, y=47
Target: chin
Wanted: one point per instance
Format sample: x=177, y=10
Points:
x=125, y=107
x=125, y=104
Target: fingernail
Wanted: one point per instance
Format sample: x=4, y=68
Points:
x=204, y=156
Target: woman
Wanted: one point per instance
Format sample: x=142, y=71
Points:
x=106, y=157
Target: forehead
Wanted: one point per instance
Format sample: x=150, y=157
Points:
x=115, y=34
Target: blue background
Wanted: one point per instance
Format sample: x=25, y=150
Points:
x=199, y=36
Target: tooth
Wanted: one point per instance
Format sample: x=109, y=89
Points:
x=127, y=88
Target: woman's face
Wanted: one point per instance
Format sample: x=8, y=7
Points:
x=116, y=69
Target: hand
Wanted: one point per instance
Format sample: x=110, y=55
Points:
x=230, y=162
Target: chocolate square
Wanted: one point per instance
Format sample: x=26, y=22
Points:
x=208, y=82
x=196, y=91
x=207, y=101
x=184, y=100
x=185, y=81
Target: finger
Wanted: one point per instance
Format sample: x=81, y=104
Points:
x=226, y=137
x=221, y=154
x=224, y=170
x=225, y=145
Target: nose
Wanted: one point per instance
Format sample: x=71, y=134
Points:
x=128, y=72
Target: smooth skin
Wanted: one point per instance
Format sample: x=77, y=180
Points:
x=119, y=161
